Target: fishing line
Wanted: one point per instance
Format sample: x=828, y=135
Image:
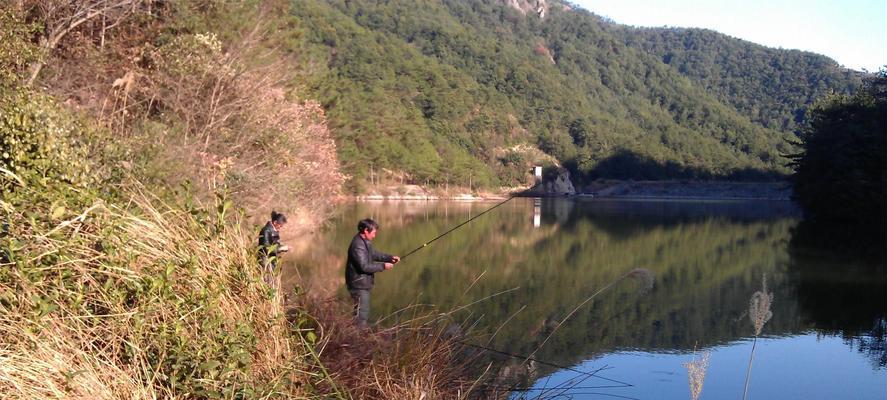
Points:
x=531, y=358
x=564, y=390
x=550, y=364
x=424, y=245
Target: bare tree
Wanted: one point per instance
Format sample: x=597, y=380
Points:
x=60, y=17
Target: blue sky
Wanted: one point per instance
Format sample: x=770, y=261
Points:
x=852, y=32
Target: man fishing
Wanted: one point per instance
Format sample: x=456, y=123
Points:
x=363, y=262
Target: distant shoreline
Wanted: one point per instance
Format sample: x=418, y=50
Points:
x=690, y=190
x=628, y=190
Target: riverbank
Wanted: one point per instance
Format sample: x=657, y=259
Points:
x=417, y=192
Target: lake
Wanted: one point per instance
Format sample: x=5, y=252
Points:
x=613, y=297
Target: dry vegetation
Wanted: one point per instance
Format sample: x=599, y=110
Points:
x=210, y=110
x=146, y=302
x=417, y=358
x=116, y=283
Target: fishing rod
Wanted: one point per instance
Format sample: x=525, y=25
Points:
x=424, y=245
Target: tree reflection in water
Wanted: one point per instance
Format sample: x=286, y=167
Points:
x=707, y=256
x=840, y=277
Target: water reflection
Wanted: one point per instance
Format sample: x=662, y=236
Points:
x=549, y=255
x=840, y=275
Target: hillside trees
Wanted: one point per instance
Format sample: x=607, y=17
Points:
x=841, y=174
x=38, y=141
x=772, y=86
x=465, y=80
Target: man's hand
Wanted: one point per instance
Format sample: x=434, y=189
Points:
x=388, y=266
x=395, y=259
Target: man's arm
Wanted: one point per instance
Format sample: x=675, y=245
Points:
x=363, y=259
x=383, y=257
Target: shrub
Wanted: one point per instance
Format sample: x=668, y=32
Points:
x=40, y=140
x=16, y=49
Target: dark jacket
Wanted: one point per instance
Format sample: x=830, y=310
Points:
x=363, y=262
x=269, y=242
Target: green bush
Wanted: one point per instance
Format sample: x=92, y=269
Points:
x=16, y=49
x=39, y=140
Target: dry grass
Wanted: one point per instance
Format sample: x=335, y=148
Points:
x=415, y=359
x=212, y=112
x=241, y=129
x=147, y=302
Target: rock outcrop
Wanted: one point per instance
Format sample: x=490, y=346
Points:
x=561, y=185
x=538, y=7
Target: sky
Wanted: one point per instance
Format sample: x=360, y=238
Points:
x=852, y=32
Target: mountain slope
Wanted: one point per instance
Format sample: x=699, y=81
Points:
x=772, y=86
x=448, y=91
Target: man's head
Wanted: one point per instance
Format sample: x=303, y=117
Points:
x=367, y=228
x=278, y=220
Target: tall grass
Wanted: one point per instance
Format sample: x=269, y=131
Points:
x=417, y=357
x=147, y=301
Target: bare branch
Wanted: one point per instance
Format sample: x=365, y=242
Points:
x=60, y=17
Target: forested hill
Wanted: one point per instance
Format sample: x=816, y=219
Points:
x=772, y=86
x=436, y=91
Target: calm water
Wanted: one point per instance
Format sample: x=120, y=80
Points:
x=825, y=339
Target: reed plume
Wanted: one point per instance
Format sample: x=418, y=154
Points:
x=759, y=307
x=645, y=278
x=696, y=374
x=759, y=313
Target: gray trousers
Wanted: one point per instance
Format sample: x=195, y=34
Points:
x=361, y=299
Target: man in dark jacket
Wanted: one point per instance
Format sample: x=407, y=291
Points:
x=363, y=262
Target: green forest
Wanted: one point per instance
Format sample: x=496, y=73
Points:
x=841, y=172
x=449, y=91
